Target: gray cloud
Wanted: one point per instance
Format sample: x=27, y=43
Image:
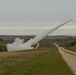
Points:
x=37, y=10
x=29, y=16
x=27, y=29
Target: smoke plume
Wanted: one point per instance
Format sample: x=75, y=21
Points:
x=19, y=44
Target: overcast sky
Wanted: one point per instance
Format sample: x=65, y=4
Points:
x=24, y=17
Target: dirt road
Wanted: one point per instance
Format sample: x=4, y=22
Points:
x=69, y=57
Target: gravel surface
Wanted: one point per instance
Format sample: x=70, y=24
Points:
x=69, y=57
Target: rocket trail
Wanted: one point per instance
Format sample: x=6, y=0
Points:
x=19, y=44
x=54, y=29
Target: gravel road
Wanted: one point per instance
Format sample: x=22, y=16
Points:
x=69, y=57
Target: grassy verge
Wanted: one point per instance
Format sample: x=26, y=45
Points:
x=43, y=62
x=72, y=48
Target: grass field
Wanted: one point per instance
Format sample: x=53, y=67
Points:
x=72, y=48
x=35, y=62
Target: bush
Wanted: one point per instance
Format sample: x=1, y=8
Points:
x=72, y=43
x=3, y=48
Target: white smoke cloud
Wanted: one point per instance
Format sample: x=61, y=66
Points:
x=19, y=44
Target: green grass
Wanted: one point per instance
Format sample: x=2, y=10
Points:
x=71, y=48
x=48, y=62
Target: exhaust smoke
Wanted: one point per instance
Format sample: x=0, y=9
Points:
x=19, y=44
